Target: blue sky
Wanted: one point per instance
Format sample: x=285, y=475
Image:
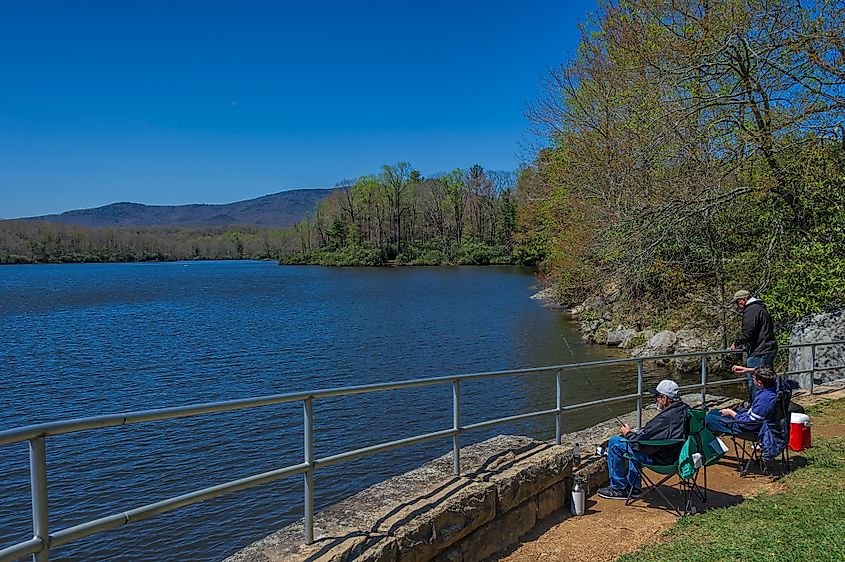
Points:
x=212, y=102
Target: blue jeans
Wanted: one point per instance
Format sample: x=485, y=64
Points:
x=723, y=424
x=753, y=362
x=623, y=474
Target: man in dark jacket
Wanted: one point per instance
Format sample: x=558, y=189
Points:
x=668, y=424
x=757, y=337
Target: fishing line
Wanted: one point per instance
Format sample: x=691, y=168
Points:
x=586, y=378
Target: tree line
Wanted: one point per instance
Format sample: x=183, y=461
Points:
x=692, y=148
x=398, y=216
x=393, y=217
x=48, y=242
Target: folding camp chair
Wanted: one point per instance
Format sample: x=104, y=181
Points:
x=699, y=442
x=747, y=443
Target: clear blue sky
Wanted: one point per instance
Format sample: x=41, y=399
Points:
x=212, y=102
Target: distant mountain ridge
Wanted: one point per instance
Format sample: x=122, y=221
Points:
x=276, y=210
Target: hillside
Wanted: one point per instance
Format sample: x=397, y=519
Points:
x=276, y=210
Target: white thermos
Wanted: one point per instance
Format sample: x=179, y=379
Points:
x=578, y=498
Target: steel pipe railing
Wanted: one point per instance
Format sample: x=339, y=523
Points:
x=43, y=539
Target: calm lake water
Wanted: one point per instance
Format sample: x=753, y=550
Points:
x=83, y=340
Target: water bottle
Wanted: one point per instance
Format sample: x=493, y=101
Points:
x=578, y=498
x=576, y=454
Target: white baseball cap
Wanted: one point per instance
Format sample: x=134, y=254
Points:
x=666, y=388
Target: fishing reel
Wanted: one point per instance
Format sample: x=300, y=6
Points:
x=731, y=359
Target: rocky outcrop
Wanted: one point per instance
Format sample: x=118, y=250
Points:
x=821, y=327
x=598, y=323
x=686, y=340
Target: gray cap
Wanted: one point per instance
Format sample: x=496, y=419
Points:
x=667, y=388
x=741, y=294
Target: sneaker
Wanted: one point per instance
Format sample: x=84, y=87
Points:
x=613, y=493
x=618, y=494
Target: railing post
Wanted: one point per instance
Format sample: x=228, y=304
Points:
x=308, y=407
x=703, y=379
x=558, y=426
x=38, y=482
x=456, y=426
x=639, y=394
x=812, y=367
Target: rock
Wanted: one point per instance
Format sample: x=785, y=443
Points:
x=619, y=335
x=542, y=469
x=546, y=293
x=821, y=327
x=548, y=297
x=661, y=343
x=691, y=340
x=552, y=499
x=501, y=533
x=459, y=513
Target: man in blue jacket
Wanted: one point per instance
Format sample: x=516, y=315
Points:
x=757, y=336
x=668, y=424
x=762, y=407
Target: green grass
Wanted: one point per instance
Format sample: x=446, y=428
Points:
x=803, y=520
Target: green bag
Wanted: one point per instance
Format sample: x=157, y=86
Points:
x=709, y=453
x=686, y=463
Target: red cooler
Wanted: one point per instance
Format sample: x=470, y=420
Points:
x=799, y=432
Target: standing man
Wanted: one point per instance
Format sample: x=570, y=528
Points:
x=757, y=337
x=668, y=424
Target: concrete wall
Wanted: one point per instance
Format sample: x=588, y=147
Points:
x=508, y=485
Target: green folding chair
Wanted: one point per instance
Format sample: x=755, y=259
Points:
x=698, y=441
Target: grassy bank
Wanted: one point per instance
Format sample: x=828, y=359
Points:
x=803, y=520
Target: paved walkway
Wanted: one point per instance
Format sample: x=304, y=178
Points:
x=610, y=528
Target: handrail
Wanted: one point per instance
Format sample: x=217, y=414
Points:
x=43, y=540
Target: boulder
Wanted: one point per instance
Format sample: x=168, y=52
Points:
x=548, y=297
x=546, y=294
x=820, y=327
x=661, y=343
x=690, y=340
x=619, y=335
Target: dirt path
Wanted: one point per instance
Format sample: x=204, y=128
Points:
x=610, y=528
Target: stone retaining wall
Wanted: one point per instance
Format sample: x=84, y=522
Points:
x=508, y=484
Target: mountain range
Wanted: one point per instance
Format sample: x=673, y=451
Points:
x=276, y=210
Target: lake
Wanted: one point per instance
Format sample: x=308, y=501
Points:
x=83, y=340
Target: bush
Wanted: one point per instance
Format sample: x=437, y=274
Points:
x=472, y=252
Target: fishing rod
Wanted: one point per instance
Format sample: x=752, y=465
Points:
x=586, y=378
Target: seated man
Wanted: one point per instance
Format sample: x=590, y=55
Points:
x=668, y=424
x=735, y=422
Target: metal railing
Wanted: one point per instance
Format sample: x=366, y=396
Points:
x=44, y=539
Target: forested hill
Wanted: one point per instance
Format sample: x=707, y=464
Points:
x=277, y=210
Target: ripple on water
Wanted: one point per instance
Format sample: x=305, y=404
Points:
x=80, y=340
